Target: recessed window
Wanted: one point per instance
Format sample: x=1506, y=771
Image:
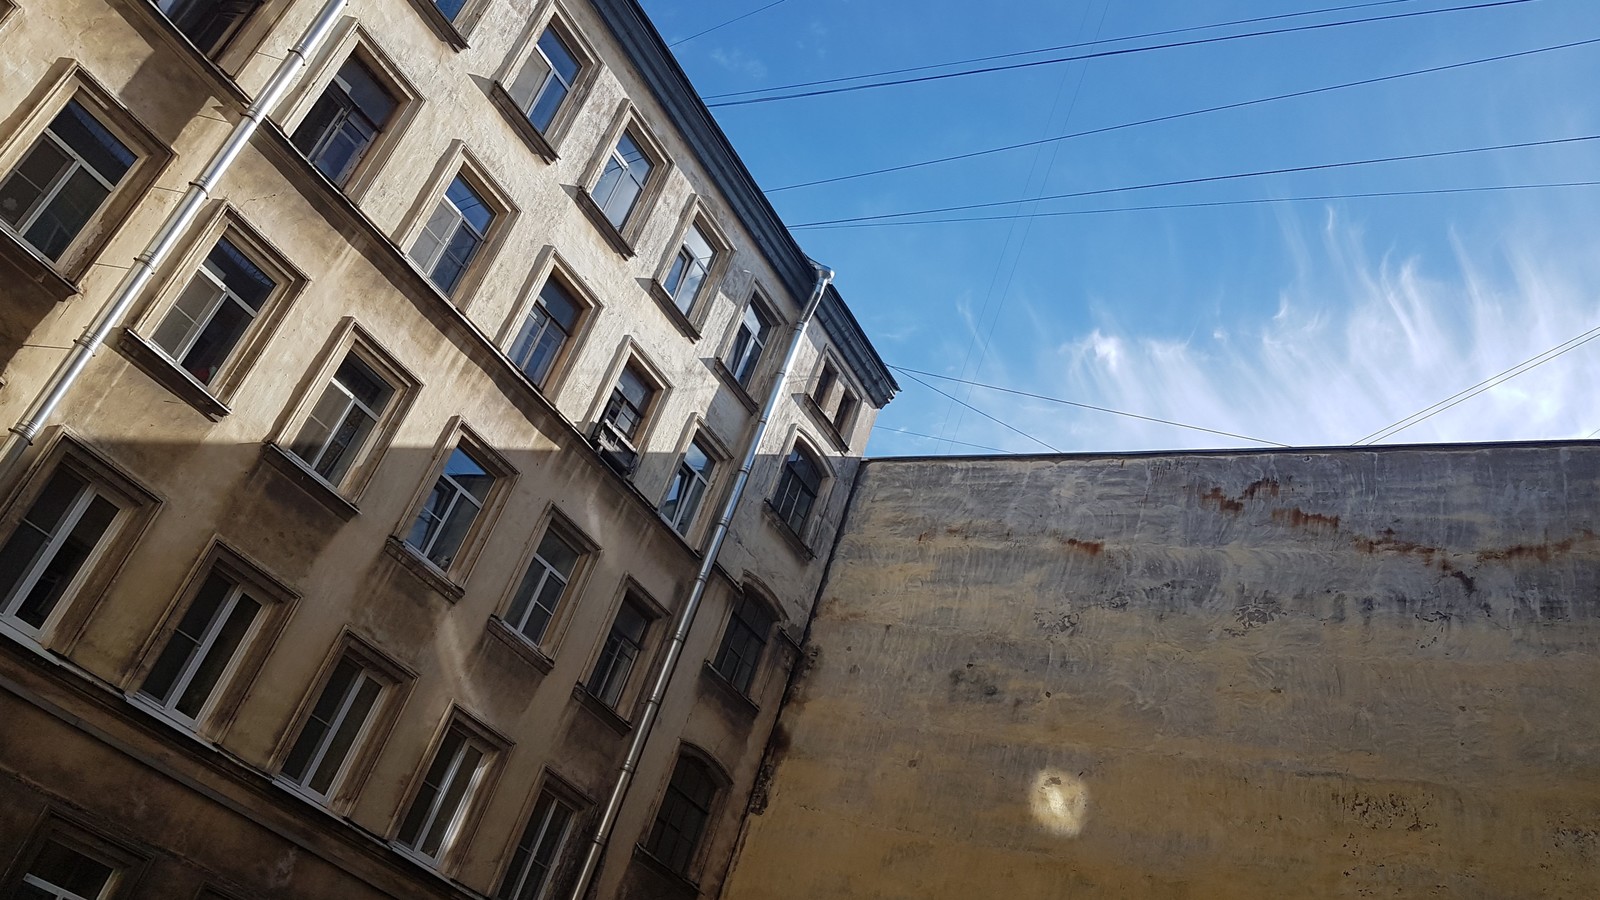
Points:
x=204, y=648
x=538, y=596
x=345, y=122
x=622, y=648
x=744, y=354
x=205, y=325
x=63, y=180
x=63, y=872
x=798, y=488
x=336, y=727
x=447, y=515
x=689, y=486
x=209, y=23
x=549, y=75
x=341, y=424
x=548, y=327
x=627, y=170
x=447, y=791
x=536, y=853
x=681, y=819
x=743, y=642
x=51, y=547
x=454, y=233
x=629, y=403
x=689, y=269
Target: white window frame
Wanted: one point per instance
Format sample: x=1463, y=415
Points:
x=739, y=355
x=614, y=689
x=77, y=162
x=365, y=674
x=581, y=550
x=514, y=885
x=221, y=295
x=681, y=521
x=473, y=737
x=353, y=452
x=204, y=645
x=455, y=227
x=458, y=494
x=90, y=491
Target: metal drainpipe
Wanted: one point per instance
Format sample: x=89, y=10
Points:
x=178, y=221
x=669, y=664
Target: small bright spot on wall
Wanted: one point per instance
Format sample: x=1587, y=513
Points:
x=1060, y=802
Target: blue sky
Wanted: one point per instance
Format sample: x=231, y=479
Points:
x=1304, y=323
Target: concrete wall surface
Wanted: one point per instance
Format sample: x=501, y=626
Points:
x=1332, y=673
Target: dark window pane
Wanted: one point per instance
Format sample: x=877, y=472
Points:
x=70, y=870
x=64, y=566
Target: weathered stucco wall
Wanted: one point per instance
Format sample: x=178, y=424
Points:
x=1288, y=674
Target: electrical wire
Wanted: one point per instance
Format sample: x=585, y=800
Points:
x=933, y=438
x=1094, y=43
x=1487, y=384
x=1215, y=203
x=980, y=412
x=912, y=373
x=1175, y=116
x=1101, y=54
x=724, y=24
x=1209, y=179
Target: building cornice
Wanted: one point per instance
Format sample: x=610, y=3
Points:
x=655, y=63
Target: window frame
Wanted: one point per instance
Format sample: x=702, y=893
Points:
x=630, y=593
x=549, y=641
x=220, y=45
x=457, y=435
x=696, y=432
x=602, y=426
x=746, y=595
x=624, y=236
x=353, y=40
x=547, y=16
x=550, y=266
x=494, y=747
x=806, y=531
x=276, y=603
x=578, y=805
x=152, y=157
x=459, y=162
x=693, y=865
x=53, y=827
x=63, y=626
x=691, y=318
x=137, y=340
x=764, y=310
x=365, y=749
x=833, y=400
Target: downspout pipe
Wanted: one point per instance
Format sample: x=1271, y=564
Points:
x=685, y=619
x=26, y=430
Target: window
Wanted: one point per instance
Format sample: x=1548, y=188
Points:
x=621, y=650
x=630, y=402
x=743, y=642
x=539, y=595
x=834, y=400
x=451, y=507
x=336, y=727
x=51, y=548
x=550, y=324
x=63, y=180
x=688, y=487
x=798, y=488
x=844, y=413
x=623, y=179
x=549, y=75
x=209, y=23
x=345, y=122
x=204, y=648
x=689, y=269
x=63, y=872
x=681, y=819
x=204, y=326
x=440, y=807
x=755, y=327
x=451, y=238
x=528, y=877
x=825, y=383
x=450, y=9
x=343, y=420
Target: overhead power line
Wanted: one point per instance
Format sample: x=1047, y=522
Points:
x=1006, y=425
x=912, y=373
x=1489, y=383
x=933, y=438
x=1180, y=115
x=1209, y=179
x=1059, y=47
x=1101, y=54
x=1212, y=203
x=724, y=24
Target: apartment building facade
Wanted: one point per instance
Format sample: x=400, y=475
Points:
x=344, y=566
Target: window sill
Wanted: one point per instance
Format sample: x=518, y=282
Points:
x=796, y=542
x=670, y=307
x=820, y=417
x=502, y=631
x=159, y=367
x=740, y=393
x=35, y=268
x=677, y=881
x=425, y=571
x=444, y=28
x=737, y=698
x=309, y=481
x=525, y=129
x=603, y=224
x=162, y=715
x=597, y=708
